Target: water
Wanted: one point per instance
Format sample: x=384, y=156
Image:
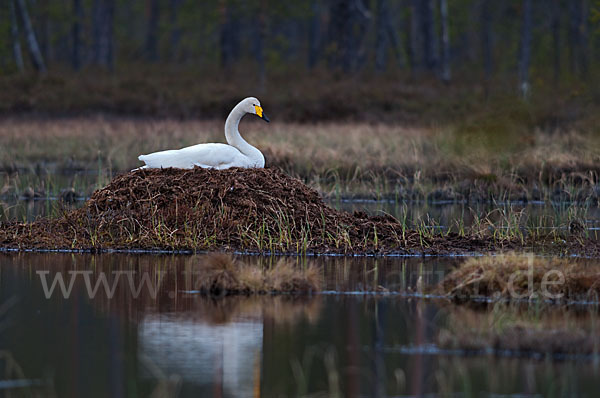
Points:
x=368, y=334
x=542, y=215
x=31, y=210
x=173, y=343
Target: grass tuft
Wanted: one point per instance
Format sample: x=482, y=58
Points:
x=222, y=275
x=522, y=276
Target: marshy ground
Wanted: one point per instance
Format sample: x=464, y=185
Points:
x=340, y=159
x=253, y=210
x=65, y=184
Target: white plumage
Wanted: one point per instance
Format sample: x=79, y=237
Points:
x=217, y=156
x=236, y=153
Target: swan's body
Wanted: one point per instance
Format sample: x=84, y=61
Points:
x=236, y=153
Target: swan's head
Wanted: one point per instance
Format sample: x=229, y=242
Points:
x=252, y=105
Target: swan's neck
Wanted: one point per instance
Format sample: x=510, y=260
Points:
x=233, y=137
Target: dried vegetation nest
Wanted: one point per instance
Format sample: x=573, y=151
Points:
x=256, y=210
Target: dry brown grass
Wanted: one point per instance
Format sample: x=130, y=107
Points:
x=222, y=275
x=517, y=276
x=339, y=159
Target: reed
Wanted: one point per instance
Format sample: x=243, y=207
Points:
x=340, y=159
x=222, y=275
x=513, y=276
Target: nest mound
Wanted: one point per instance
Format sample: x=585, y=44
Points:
x=260, y=210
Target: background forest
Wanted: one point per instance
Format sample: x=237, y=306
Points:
x=393, y=60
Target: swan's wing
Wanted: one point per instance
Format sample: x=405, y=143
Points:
x=202, y=155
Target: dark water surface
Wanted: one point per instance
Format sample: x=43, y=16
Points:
x=160, y=339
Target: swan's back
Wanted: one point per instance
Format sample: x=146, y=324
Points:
x=217, y=156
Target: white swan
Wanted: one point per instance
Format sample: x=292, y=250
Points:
x=216, y=156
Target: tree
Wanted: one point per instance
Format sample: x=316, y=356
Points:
x=394, y=37
x=16, y=43
x=386, y=36
x=152, y=31
x=525, y=50
x=43, y=31
x=314, y=34
x=413, y=34
x=32, y=43
x=76, y=34
x=445, y=61
x=175, y=36
x=486, y=42
x=260, y=44
x=555, y=28
x=340, y=34
x=103, y=33
x=578, y=36
x=430, y=58
x=381, y=44
x=347, y=24
x=584, y=34
x=229, y=34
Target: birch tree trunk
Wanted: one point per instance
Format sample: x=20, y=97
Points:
x=525, y=50
x=394, y=37
x=445, y=42
x=386, y=36
x=16, y=43
x=43, y=29
x=32, y=43
x=76, y=34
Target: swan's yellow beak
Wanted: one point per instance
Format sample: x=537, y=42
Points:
x=260, y=114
